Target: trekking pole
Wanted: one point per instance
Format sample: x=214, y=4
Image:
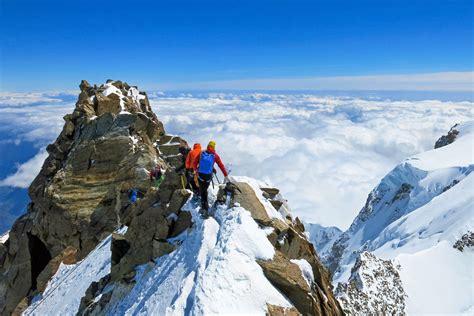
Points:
x=215, y=175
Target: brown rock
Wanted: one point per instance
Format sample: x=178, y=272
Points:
x=274, y=310
x=183, y=222
x=276, y=204
x=287, y=277
x=272, y=192
x=247, y=198
x=108, y=104
x=169, y=150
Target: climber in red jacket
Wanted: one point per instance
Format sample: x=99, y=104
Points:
x=189, y=163
x=204, y=167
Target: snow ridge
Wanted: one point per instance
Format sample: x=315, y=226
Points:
x=213, y=271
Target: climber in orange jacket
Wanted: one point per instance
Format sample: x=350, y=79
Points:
x=189, y=163
x=204, y=166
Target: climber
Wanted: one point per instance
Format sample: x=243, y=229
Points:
x=133, y=195
x=189, y=168
x=156, y=176
x=203, y=165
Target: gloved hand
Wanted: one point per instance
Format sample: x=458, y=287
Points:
x=226, y=179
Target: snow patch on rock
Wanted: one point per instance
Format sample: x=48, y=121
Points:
x=306, y=270
x=4, y=237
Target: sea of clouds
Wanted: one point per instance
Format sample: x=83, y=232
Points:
x=325, y=153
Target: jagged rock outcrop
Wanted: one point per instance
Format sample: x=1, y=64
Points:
x=448, y=138
x=374, y=288
x=81, y=196
x=465, y=242
x=106, y=147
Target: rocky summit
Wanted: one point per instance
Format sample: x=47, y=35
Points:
x=81, y=226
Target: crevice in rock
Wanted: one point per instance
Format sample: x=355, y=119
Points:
x=119, y=248
x=39, y=257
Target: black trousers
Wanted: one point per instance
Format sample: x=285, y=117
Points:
x=204, y=182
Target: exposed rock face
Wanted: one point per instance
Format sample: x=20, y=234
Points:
x=448, y=138
x=150, y=228
x=374, y=288
x=107, y=146
x=466, y=242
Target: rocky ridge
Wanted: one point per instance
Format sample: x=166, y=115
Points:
x=448, y=138
x=80, y=197
x=374, y=288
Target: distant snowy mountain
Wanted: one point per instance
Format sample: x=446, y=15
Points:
x=322, y=237
x=421, y=216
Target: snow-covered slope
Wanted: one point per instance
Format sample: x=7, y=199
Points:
x=415, y=216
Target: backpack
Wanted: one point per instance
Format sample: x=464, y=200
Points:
x=206, y=162
x=133, y=196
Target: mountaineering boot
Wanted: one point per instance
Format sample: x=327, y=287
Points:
x=204, y=213
x=195, y=198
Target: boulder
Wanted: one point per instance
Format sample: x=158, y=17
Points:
x=287, y=277
x=246, y=197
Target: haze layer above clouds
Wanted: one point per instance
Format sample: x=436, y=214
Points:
x=324, y=153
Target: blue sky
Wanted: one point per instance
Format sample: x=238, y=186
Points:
x=51, y=45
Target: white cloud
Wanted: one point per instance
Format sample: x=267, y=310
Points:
x=26, y=172
x=29, y=98
x=33, y=117
x=324, y=153
x=441, y=81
